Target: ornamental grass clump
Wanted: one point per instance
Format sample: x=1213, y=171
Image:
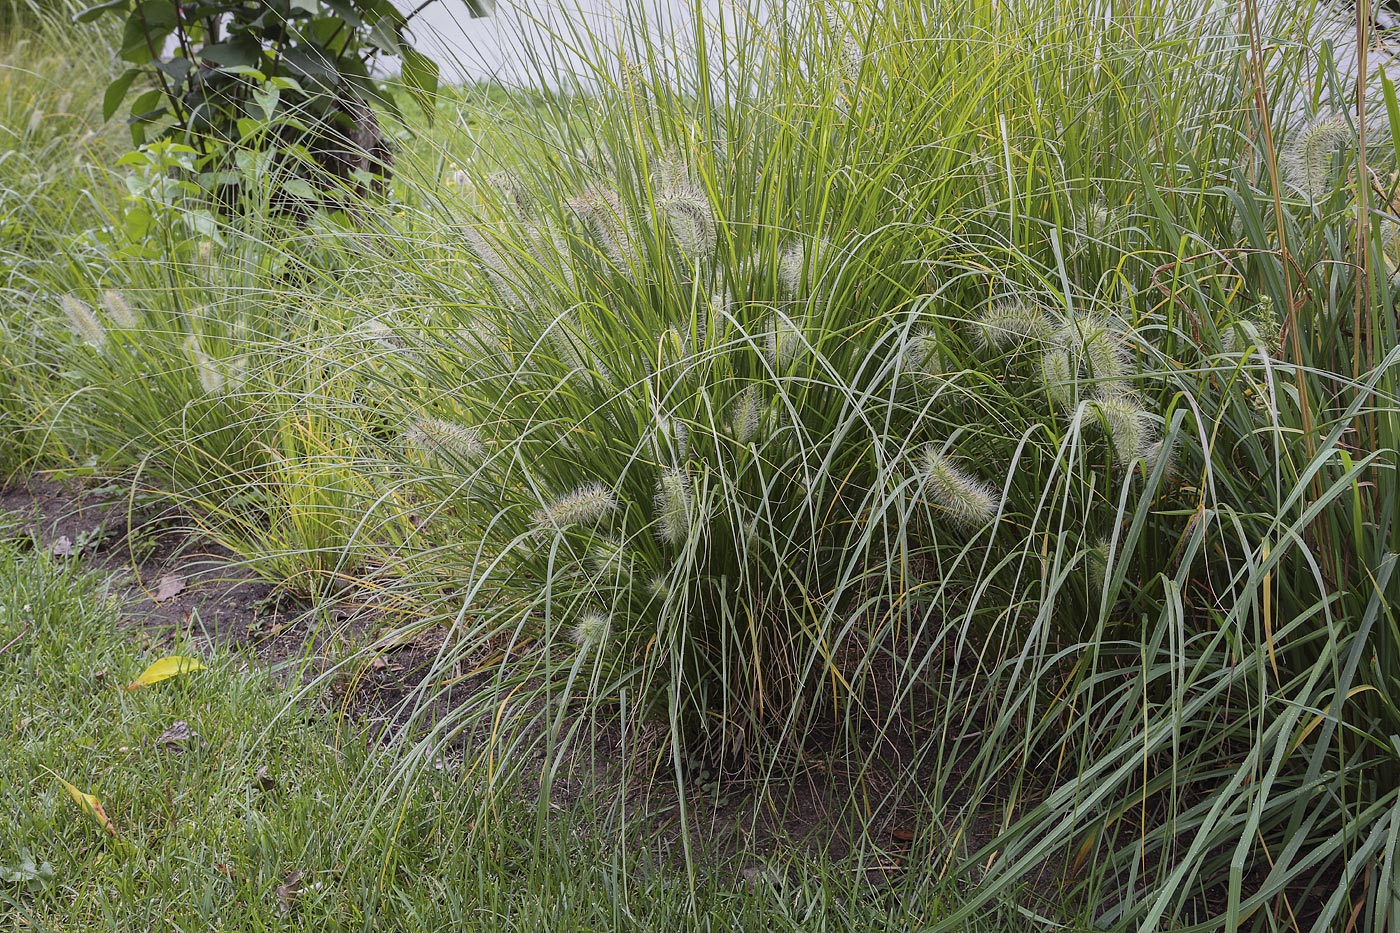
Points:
x=1096, y=592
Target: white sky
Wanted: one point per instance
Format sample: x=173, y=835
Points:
x=494, y=47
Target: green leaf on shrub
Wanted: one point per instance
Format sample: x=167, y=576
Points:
x=93, y=12
x=146, y=30
x=238, y=52
x=116, y=92
x=420, y=76
x=300, y=188
x=385, y=34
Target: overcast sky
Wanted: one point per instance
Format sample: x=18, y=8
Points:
x=495, y=47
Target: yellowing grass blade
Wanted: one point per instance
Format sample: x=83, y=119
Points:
x=91, y=806
x=164, y=669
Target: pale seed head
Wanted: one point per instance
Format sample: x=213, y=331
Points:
x=210, y=373
x=84, y=320
x=593, y=630
x=964, y=499
x=923, y=355
x=1127, y=426
x=1306, y=163
x=1057, y=374
x=585, y=505
x=437, y=437
x=120, y=313
x=784, y=341
x=673, y=506
x=746, y=414
x=1010, y=324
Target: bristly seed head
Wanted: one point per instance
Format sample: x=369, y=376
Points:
x=966, y=500
x=211, y=377
x=513, y=193
x=924, y=355
x=1129, y=431
x=1057, y=374
x=746, y=414
x=498, y=274
x=216, y=377
x=1306, y=161
x=443, y=438
x=690, y=218
x=794, y=261
x=120, y=313
x=593, y=630
x=784, y=341
x=673, y=437
x=605, y=218
x=1159, y=452
x=585, y=505
x=852, y=58
x=673, y=506
x=1096, y=566
x=691, y=221
x=84, y=320
x=608, y=556
x=658, y=587
x=1009, y=324
x=1088, y=341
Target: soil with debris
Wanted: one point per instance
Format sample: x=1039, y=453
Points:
x=169, y=580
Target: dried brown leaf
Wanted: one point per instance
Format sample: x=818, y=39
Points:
x=169, y=587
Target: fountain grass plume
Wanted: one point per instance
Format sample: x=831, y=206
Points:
x=924, y=353
x=746, y=414
x=119, y=312
x=1058, y=375
x=1306, y=161
x=584, y=505
x=593, y=630
x=963, y=498
x=1011, y=324
x=783, y=341
x=1127, y=426
x=513, y=192
x=690, y=220
x=84, y=321
x=435, y=436
x=798, y=259
x=674, y=506
x=604, y=217
x=216, y=377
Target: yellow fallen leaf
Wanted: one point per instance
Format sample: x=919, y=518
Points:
x=164, y=669
x=90, y=805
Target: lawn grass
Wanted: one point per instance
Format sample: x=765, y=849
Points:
x=261, y=822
